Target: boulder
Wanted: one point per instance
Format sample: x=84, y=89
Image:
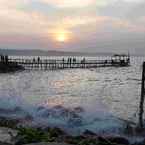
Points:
x=7, y=135
x=140, y=143
x=89, y=133
x=1, y=143
x=9, y=122
x=113, y=140
x=44, y=143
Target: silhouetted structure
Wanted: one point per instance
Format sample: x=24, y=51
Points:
x=121, y=59
x=141, y=107
x=8, y=66
x=46, y=64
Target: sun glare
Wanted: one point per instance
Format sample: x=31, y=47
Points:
x=61, y=36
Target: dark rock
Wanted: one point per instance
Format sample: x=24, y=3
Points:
x=8, y=135
x=140, y=143
x=59, y=111
x=25, y=119
x=56, y=132
x=9, y=122
x=45, y=113
x=74, y=140
x=115, y=140
x=58, y=107
x=78, y=109
x=77, y=121
x=103, y=141
x=89, y=133
x=18, y=109
x=129, y=129
x=1, y=143
x=41, y=108
x=10, y=67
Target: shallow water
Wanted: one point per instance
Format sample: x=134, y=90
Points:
x=75, y=99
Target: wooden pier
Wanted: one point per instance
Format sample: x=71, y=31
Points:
x=66, y=63
x=38, y=63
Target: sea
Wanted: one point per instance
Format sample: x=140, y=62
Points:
x=100, y=100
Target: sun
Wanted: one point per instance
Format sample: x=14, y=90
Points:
x=61, y=36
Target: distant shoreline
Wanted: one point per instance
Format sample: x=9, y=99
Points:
x=34, y=52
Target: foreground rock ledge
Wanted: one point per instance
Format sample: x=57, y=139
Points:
x=7, y=136
x=44, y=143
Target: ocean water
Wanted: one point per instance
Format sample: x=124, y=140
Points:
x=97, y=99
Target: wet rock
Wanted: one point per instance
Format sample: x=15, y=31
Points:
x=113, y=140
x=46, y=113
x=45, y=143
x=78, y=109
x=89, y=133
x=10, y=67
x=75, y=121
x=8, y=111
x=118, y=140
x=18, y=109
x=43, y=111
x=140, y=143
x=28, y=117
x=58, y=107
x=9, y=122
x=32, y=135
x=41, y=108
x=7, y=135
x=2, y=143
x=56, y=132
x=129, y=129
x=59, y=111
x=74, y=140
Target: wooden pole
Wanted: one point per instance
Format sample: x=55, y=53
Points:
x=141, y=106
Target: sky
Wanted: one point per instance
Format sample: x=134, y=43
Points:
x=73, y=25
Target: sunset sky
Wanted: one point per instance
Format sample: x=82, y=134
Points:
x=73, y=25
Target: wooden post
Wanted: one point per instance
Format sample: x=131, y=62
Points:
x=141, y=106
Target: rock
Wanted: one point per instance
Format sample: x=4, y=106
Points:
x=113, y=140
x=140, y=143
x=74, y=140
x=7, y=135
x=74, y=119
x=129, y=129
x=10, y=67
x=56, y=132
x=78, y=109
x=1, y=143
x=44, y=143
x=89, y=133
x=9, y=122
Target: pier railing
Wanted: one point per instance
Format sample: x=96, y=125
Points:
x=70, y=62
x=45, y=64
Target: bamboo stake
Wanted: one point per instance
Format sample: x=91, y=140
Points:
x=141, y=105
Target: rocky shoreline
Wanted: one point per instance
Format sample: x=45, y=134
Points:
x=13, y=134
x=9, y=67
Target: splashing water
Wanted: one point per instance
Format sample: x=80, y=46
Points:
x=74, y=100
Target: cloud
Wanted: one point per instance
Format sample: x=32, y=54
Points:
x=134, y=1
x=70, y=3
x=93, y=23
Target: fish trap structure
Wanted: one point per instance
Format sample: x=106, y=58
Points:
x=69, y=63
